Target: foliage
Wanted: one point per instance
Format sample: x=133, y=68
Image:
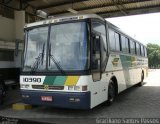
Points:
x=153, y=55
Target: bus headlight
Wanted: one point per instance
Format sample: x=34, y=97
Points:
x=77, y=88
x=70, y=87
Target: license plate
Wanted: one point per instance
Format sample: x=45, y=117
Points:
x=47, y=98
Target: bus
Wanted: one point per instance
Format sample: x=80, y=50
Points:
x=79, y=62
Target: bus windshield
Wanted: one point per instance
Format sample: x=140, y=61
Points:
x=65, y=46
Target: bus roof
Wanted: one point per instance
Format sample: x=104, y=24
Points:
x=63, y=19
x=76, y=17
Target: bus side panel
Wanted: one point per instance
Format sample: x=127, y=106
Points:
x=114, y=69
x=126, y=68
x=98, y=90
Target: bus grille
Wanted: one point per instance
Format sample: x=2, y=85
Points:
x=48, y=87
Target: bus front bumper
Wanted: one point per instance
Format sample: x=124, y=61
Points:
x=72, y=100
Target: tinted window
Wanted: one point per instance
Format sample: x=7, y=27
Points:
x=117, y=42
x=114, y=40
x=138, y=49
x=124, y=43
x=142, y=51
x=145, y=52
x=132, y=47
x=127, y=45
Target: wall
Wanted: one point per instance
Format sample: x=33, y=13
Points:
x=19, y=34
x=19, y=24
x=7, y=29
x=7, y=33
x=10, y=30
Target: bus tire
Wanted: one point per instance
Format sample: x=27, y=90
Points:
x=142, y=78
x=111, y=93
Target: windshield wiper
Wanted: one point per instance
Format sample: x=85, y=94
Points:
x=39, y=59
x=51, y=57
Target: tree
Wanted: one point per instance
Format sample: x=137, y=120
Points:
x=153, y=55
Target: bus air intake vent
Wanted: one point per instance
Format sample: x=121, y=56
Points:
x=48, y=87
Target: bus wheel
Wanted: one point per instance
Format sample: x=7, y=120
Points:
x=111, y=92
x=142, y=78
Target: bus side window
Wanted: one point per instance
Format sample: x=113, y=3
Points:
x=125, y=44
x=138, y=48
x=142, y=51
x=132, y=47
x=117, y=39
x=145, y=52
x=114, y=40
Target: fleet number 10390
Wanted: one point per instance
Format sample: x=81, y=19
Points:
x=34, y=80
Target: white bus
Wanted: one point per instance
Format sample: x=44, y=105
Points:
x=79, y=62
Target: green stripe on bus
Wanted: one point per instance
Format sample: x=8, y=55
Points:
x=126, y=61
x=60, y=80
x=49, y=80
x=55, y=80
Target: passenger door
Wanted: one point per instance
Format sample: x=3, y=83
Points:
x=98, y=87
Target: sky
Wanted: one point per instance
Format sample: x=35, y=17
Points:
x=144, y=28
